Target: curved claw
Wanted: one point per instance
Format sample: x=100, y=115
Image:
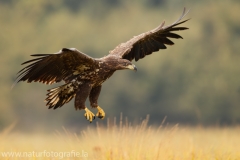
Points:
x=89, y=115
x=100, y=114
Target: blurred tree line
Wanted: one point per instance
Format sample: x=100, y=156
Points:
x=196, y=81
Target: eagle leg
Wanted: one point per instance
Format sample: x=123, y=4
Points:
x=93, y=97
x=100, y=114
x=81, y=96
x=89, y=115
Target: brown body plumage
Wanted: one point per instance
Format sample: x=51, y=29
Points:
x=84, y=75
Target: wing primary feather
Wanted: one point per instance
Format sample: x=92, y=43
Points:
x=181, y=17
x=156, y=43
x=37, y=72
x=167, y=41
x=15, y=82
x=152, y=47
x=41, y=55
x=32, y=60
x=173, y=25
x=142, y=53
x=27, y=67
x=159, y=44
x=23, y=71
x=145, y=48
x=137, y=55
x=178, y=29
x=173, y=35
x=135, y=50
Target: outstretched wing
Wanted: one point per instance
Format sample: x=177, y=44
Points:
x=51, y=68
x=146, y=43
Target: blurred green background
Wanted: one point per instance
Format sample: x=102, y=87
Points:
x=196, y=81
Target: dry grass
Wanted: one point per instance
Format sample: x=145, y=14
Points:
x=124, y=141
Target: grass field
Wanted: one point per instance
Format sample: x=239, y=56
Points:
x=123, y=141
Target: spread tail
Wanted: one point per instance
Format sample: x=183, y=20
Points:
x=58, y=96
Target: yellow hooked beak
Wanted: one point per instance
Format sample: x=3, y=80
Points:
x=132, y=67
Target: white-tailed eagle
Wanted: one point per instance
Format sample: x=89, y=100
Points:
x=84, y=75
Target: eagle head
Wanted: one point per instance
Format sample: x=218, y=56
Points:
x=126, y=64
x=116, y=63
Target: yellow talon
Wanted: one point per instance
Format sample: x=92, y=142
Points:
x=89, y=115
x=100, y=114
